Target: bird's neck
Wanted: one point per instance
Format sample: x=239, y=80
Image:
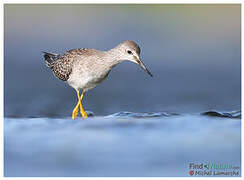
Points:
x=114, y=56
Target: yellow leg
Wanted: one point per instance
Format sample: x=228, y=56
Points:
x=82, y=111
x=76, y=109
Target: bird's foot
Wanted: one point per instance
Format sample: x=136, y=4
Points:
x=79, y=105
x=75, y=111
x=83, y=113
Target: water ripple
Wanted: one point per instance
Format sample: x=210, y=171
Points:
x=141, y=115
x=232, y=114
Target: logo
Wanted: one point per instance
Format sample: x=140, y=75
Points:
x=191, y=172
x=213, y=169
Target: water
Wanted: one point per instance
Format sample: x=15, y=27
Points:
x=122, y=144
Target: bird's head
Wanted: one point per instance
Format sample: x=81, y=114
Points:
x=130, y=51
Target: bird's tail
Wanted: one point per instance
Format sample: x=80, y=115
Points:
x=50, y=58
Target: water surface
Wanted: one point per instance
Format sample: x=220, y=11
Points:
x=127, y=145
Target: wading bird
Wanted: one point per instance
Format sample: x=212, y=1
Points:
x=84, y=69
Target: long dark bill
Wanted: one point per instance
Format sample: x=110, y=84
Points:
x=143, y=66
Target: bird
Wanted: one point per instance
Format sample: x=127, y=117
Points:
x=85, y=68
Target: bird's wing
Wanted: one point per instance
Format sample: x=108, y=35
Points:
x=50, y=58
x=62, y=67
x=50, y=54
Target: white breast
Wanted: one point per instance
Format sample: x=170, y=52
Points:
x=85, y=79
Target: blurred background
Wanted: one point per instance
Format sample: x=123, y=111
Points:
x=193, y=51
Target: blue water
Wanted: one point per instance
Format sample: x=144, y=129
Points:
x=122, y=144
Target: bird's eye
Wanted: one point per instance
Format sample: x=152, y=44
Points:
x=129, y=52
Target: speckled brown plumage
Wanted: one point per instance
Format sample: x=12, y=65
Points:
x=62, y=65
